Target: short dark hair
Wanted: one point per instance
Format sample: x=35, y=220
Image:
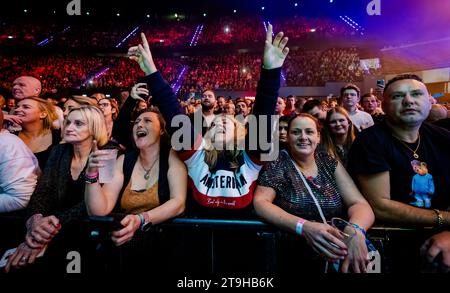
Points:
x=401, y=77
x=350, y=86
x=285, y=118
x=208, y=90
x=368, y=95
x=309, y=105
x=305, y=115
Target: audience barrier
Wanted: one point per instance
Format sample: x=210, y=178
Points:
x=218, y=245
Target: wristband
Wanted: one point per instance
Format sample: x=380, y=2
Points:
x=91, y=176
x=360, y=229
x=299, y=226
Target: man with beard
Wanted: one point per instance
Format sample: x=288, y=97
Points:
x=209, y=103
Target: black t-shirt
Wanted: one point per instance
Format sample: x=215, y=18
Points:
x=375, y=150
x=444, y=123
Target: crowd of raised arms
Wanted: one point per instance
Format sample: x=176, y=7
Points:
x=333, y=168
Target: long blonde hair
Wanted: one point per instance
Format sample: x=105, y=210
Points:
x=212, y=154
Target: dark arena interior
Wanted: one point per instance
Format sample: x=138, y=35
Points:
x=192, y=138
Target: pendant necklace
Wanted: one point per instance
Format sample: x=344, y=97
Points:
x=147, y=172
x=415, y=155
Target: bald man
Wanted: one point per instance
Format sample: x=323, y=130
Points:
x=26, y=86
x=23, y=87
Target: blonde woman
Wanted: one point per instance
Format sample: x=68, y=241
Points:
x=57, y=204
x=37, y=116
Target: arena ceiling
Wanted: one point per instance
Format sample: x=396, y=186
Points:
x=399, y=20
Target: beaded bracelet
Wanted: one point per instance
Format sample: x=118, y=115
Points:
x=91, y=178
x=142, y=221
x=439, y=218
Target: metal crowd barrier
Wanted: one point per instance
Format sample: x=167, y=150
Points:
x=263, y=231
x=399, y=247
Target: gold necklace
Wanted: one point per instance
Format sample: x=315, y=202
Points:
x=415, y=155
x=147, y=172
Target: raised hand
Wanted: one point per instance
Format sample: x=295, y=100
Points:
x=142, y=55
x=275, y=51
x=137, y=90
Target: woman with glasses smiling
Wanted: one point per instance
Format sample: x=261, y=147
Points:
x=302, y=190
